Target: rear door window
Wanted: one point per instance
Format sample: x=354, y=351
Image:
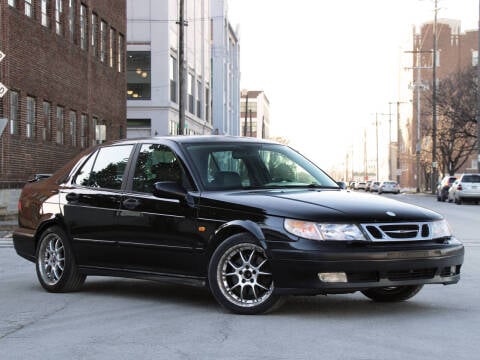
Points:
x=106, y=168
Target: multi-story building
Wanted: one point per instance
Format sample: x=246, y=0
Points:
x=254, y=114
x=152, y=67
x=65, y=71
x=456, y=50
x=225, y=72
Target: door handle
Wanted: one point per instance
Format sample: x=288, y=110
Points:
x=131, y=204
x=72, y=197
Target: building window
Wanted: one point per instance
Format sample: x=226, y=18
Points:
x=28, y=8
x=120, y=53
x=172, y=127
x=12, y=3
x=138, y=75
x=44, y=9
x=103, y=40
x=71, y=19
x=173, y=79
x=47, y=121
x=94, y=130
x=474, y=57
x=13, y=112
x=60, y=125
x=58, y=17
x=94, y=34
x=30, y=133
x=83, y=131
x=199, y=99
x=111, y=44
x=73, y=128
x=190, y=92
x=207, y=104
x=83, y=27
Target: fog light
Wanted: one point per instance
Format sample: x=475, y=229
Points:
x=333, y=277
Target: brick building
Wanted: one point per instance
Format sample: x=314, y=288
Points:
x=456, y=50
x=65, y=71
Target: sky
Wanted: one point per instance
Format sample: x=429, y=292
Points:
x=328, y=66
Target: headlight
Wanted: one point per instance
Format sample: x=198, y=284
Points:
x=441, y=229
x=321, y=231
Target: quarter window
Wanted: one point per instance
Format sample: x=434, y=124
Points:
x=108, y=169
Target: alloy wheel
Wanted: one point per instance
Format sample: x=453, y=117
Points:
x=244, y=276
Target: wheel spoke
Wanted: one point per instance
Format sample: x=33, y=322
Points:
x=251, y=256
x=232, y=265
x=261, y=286
x=254, y=292
x=264, y=273
x=241, y=256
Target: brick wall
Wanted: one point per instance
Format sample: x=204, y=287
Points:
x=51, y=67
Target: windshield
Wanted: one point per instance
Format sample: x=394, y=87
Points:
x=228, y=166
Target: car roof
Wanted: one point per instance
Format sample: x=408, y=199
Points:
x=191, y=139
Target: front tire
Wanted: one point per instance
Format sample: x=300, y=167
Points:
x=55, y=264
x=240, y=276
x=392, y=293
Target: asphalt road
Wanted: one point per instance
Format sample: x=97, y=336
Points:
x=132, y=319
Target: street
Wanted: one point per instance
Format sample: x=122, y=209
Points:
x=114, y=318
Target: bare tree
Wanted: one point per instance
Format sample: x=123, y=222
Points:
x=456, y=114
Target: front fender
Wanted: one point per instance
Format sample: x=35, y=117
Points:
x=237, y=226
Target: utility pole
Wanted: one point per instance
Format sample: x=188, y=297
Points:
x=434, y=103
x=390, y=141
x=365, y=177
x=245, y=92
x=478, y=92
x=376, y=137
x=181, y=68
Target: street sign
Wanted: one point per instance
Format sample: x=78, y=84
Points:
x=3, y=90
x=2, y=55
x=3, y=124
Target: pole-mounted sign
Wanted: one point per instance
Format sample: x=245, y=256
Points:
x=3, y=88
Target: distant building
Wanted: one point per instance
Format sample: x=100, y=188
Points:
x=152, y=68
x=456, y=50
x=65, y=70
x=254, y=114
x=225, y=72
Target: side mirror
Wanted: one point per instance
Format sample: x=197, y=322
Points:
x=341, y=184
x=169, y=190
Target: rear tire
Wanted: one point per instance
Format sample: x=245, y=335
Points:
x=55, y=264
x=392, y=293
x=240, y=276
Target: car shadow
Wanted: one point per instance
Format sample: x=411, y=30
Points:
x=349, y=305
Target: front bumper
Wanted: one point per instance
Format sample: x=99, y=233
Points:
x=296, y=266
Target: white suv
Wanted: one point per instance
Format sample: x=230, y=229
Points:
x=466, y=187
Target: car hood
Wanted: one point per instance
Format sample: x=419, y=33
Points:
x=318, y=205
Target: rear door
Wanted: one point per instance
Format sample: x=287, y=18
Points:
x=91, y=206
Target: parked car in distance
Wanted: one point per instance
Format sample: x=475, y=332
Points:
x=351, y=185
x=389, y=187
x=368, y=185
x=248, y=219
x=374, y=186
x=38, y=177
x=444, y=186
x=466, y=187
x=360, y=185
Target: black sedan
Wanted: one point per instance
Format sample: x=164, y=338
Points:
x=249, y=219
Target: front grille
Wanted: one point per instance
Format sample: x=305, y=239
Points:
x=411, y=274
x=398, y=231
